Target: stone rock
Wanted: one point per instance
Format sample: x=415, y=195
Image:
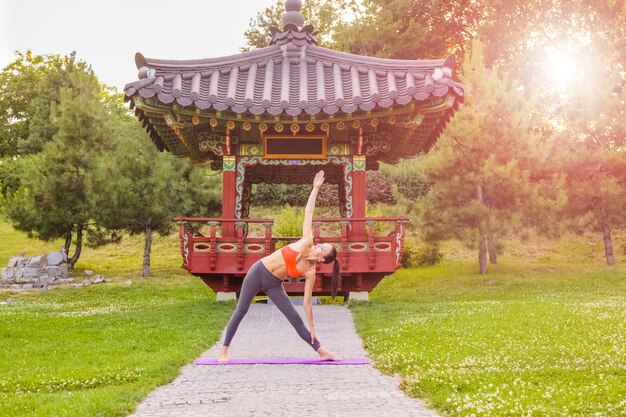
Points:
x=10, y=300
x=62, y=281
x=28, y=286
x=27, y=280
x=128, y=282
x=12, y=262
x=55, y=258
x=7, y=282
x=5, y=273
x=53, y=271
x=22, y=262
x=98, y=279
x=87, y=282
x=88, y=272
x=46, y=279
x=15, y=287
x=37, y=261
x=19, y=272
x=33, y=272
x=78, y=285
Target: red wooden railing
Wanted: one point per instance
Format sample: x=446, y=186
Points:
x=362, y=256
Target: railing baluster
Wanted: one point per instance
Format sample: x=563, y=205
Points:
x=344, y=243
x=268, y=238
x=370, y=232
x=240, y=229
x=212, y=245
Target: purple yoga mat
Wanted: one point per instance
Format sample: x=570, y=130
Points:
x=283, y=361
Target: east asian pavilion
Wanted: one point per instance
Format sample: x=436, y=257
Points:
x=278, y=115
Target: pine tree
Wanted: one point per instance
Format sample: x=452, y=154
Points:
x=481, y=167
x=591, y=148
x=52, y=201
x=138, y=190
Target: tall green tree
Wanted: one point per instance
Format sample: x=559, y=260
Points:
x=410, y=29
x=19, y=85
x=590, y=147
x=138, y=190
x=52, y=201
x=481, y=168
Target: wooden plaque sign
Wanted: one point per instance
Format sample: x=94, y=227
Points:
x=294, y=147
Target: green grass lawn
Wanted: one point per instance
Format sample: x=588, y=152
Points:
x=530, y=338
x=542, y=334
x=97, y=351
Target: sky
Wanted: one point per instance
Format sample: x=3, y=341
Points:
x=108, y=33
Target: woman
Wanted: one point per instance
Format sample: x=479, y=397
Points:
x=267, y=275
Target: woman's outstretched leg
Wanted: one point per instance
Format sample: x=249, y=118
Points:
x=250, y=287
x=278, y=295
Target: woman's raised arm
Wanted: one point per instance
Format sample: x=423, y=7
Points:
x=307, y=225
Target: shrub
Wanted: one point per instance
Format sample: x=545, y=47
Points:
x=424, y=254
x=378, y=188
x=289, y=222
x=413, y=186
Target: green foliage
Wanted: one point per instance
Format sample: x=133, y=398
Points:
x=481, y=167
x=64, y=76
x=411, y=181
x=280, y=194
x=406, y=29
x=53, y=201
x=424, y=254
x=19, y=85
x=11, y=172
x=289, y=222
x=378, y=188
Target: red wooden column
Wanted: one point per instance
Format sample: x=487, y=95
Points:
x=229, y=177
x=358, y=193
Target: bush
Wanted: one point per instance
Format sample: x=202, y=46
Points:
x=425, y=254
x=378, y=188
x=413, y=186
x=280, y=194
x=289, y=222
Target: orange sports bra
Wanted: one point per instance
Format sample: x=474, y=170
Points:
x=290, y=255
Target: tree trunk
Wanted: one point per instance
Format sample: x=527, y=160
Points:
x=606, y=233
x=79, y=245
x=146, y=251
x=482, y=236
x=491, y=246
x=68, y=242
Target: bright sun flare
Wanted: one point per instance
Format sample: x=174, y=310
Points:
x=563, y=68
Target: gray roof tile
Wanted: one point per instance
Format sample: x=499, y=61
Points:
x=292, y=78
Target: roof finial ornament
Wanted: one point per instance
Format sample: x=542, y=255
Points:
x=293, y=31
x=292, y=15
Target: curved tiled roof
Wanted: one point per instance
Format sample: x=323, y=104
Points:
x=293, y=76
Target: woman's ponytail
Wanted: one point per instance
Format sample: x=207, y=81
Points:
x=335, y=280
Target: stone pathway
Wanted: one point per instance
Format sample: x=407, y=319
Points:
x=284, y=390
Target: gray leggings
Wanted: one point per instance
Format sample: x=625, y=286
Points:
x=260, y=279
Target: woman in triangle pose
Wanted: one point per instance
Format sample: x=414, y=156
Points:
x=267, y=275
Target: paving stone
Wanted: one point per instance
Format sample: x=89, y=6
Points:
x=284, y=390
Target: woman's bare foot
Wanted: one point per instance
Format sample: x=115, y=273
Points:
x=326, y=355
x=223, y=355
